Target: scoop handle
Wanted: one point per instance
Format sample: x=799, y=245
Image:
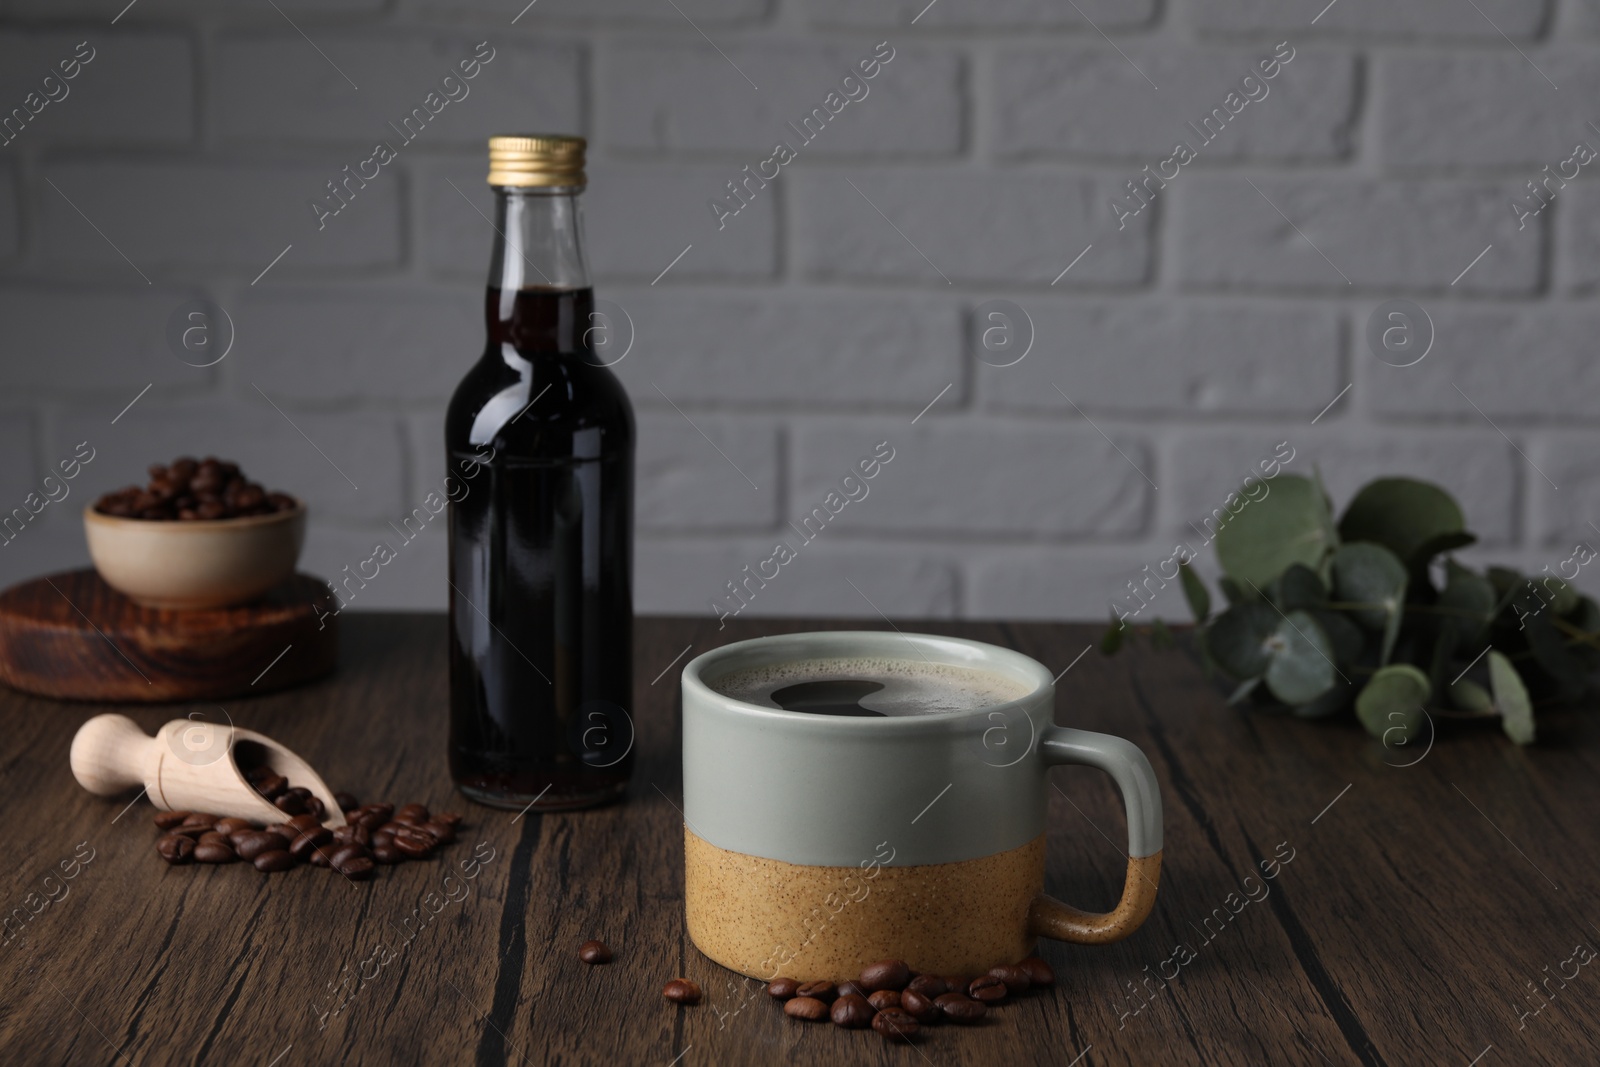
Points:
x=111, y=754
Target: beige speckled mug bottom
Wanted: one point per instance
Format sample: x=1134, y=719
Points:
x=765, y=918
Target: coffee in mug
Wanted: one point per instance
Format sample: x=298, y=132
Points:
x=858, y=796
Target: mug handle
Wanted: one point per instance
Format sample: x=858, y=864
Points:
x=1141, y=796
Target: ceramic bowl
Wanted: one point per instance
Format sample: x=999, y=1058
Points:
x=189, y=565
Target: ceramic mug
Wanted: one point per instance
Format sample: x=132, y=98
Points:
x=816, y=844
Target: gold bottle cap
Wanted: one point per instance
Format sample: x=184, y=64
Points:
x=535, y=160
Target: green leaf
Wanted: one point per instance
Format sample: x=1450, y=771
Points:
x=1401, y=514
x=1391, y=704
x=1302, y=660
x=1468, y=695
x=1511, y=697
x=1369, y=574
x=1550, y=651
x=1347, y=638
x=1242, y=693
x=1112, y=639
x=1288, y=525
x=1194, y=591
x=1233, y=591
x=1470, y=599
x=1334, y=700
x=1160, y=636
x=1238, y=639
x=1301, y=588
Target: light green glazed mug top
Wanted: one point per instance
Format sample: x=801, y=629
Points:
x=816, y=844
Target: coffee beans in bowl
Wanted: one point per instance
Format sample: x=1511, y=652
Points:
x=199, y=535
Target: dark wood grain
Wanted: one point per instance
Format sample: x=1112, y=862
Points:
x=70, y=636
x=1404, y=930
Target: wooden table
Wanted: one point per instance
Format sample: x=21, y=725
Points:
x=1419, y=909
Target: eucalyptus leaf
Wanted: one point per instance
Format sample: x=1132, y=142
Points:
x=1299, y=587
x=1302, y=660
x=1333, y=701
x=1112, y=639
x=1160, y=635
x=1288, y=525
x=1238, y=639
x=1511, y=697
x=1550, y=651
x=1401, y=514
x=1194, y=591
x=1246, y=687
x=1371, y=575
x=1390, y=705
x=1468, y=695
x=1469, y=601
x=1233, y=591
x=1346, y=637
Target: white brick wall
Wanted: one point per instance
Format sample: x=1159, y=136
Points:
x=828, y=314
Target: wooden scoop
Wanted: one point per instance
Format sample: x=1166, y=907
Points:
x=190, y=765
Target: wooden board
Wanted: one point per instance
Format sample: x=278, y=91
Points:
x=1405, y=930
x=72, y=637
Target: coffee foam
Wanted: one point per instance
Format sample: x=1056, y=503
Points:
x=910, y=687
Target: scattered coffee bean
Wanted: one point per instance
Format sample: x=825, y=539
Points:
x=413, y=844
x=885, y=974
x=211, y=837
x=302, y=845
x=819, y=990
x=249, y=845
x=316, y=807
x=199, y=818
x=451, y=819
x=808, y=1008
x=231, y=826
x=895, y=1024
x=354, y=862
x=844, y=989
x=782, y=988
x=213, y=852
x=175, y=848
x=387, y=855
x=291, y=804
x=321, y=856
x=273, y=786
x=987, y=988
x=960, y=1008
x=1015, y=978
x=346, y=801
x=682, y=991
x=272, y=861
x=919, y=1006
x=884, y=999
x=594, y=952
x=442, y=833
x=417, y=814
x=852, y=1011
x=929, y=985
x=1039, y=972
x=166, y=820
x=303, y=822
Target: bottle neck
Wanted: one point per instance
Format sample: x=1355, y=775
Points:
x=538, y=296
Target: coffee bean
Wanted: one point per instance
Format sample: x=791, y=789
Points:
x=987, y=988
x=381, y=839
x=315, y=806
x=231, y=826
x=818, y=990
x=291, y=803
x=321, y=856
x=191, y=832
x=451, y=819
x=412, y=813
x=346, y=801
x=1015, y=978
x=302, y=845
x=844, y=989
x=929, y=985
x=274, y=860
x=272, y=786
x=370, y=820
x=885, y=974
x=960, y=1008
x=782, y=988
x=211, y=837
x=413, y=844
x=251, y=844
x=1039, y=972
x=443, y=833
x=387, y=855
x=682, y=991
x=199, y=818
x=166, y=820
x=213, y=852
x=808, y=1008
x=884, y=999
x=354, y=862
x=303, y=822
x=350, y=834
x=383, y=811
x=852, y=1011
x=594, y=952
x=895, y=1024
x=919, y=1006
x=175, y=848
